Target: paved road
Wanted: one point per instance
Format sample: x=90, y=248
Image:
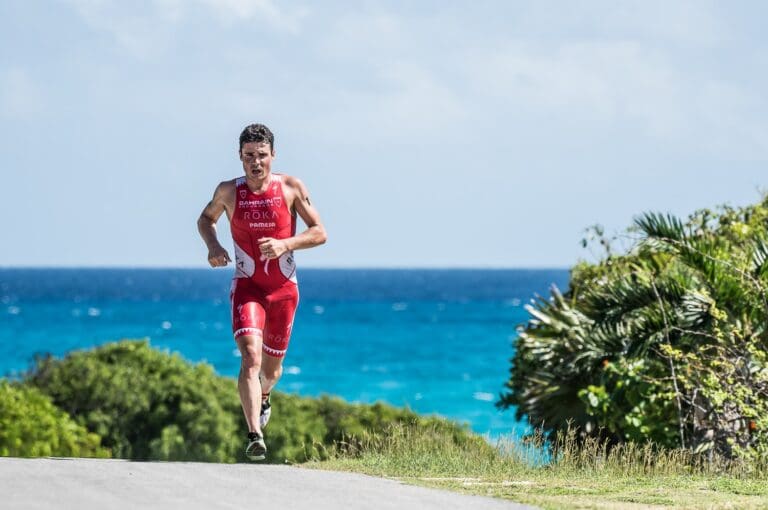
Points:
x=87, y=484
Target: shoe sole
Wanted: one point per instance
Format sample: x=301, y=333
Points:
x=263, y=422
x=256, y=450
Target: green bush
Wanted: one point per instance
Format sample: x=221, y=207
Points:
x=31, y=426
x=666, y=342
x=304, y=429
x=144, y=403
x=147, y=404
x=296, y=431
x=353, y=422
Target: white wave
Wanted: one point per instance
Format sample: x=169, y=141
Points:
x=483, y=396
x=381, y=369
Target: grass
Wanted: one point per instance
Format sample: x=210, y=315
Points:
x=586, y=475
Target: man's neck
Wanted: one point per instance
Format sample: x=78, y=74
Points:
x=258, y=185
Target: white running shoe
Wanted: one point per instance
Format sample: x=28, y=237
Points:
x=266, y=412
x=256, y=449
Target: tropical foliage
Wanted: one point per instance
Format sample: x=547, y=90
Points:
x=665, y=342
x=31, y=426
x=149, y=404
x=144, y=403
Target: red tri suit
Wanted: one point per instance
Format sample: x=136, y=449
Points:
x=264, y=292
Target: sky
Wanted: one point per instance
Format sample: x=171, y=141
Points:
x=429, y=133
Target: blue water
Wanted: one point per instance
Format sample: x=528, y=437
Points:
x=438, y=341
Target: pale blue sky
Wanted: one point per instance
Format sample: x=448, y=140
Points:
x=429, y=133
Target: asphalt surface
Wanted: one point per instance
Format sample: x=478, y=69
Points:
x=86, y=484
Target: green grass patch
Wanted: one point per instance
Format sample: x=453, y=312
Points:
x=577, y=475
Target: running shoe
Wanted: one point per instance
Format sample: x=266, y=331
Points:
x=256, y=449
x=266, y=412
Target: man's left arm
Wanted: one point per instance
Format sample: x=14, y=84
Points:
x=314, y=235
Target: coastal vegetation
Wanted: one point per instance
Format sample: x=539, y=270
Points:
x=31, y=426
x=128, y=400
x=575, y=473
x=665, y=341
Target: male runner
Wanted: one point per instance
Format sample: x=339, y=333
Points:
x=261, y=207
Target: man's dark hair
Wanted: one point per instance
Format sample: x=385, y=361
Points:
x=257, y=133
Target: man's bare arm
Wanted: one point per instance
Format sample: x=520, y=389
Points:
x=206, y=224
x=314, y=235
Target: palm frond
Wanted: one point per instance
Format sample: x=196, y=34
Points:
x=760, y=258
x=662, y=226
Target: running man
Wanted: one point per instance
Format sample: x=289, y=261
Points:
x=261, y=207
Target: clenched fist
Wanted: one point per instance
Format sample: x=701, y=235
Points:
x=218, y=257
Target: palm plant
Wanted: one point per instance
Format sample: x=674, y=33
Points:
x=666, y=342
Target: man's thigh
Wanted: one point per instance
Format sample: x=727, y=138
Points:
x=248, y=312
x=278, y=325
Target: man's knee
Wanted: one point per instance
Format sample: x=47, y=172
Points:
x=250, y=352
x=271, y=374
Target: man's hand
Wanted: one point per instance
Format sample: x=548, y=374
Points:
x=218, y=256
x=271, y=248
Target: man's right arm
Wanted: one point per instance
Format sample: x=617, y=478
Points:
x=206, y=224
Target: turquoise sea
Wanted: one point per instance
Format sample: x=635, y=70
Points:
x=438, y=341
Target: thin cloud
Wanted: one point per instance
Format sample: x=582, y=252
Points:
x=264, y=10
x=610, y=83
x=150, y=28
x=683, y=23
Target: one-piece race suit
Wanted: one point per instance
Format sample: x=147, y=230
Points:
x=264, y=291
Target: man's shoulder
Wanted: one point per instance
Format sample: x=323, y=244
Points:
x=226, y=190
x=229, y=185
x=291, y=180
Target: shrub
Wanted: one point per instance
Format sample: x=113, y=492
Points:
x=349, y=425
x=31, y=426
x=144, y=403
x=666, y=342
x=147, y=404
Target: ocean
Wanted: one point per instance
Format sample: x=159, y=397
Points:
x=437, y=340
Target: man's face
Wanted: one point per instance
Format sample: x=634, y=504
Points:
x=257, y=159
